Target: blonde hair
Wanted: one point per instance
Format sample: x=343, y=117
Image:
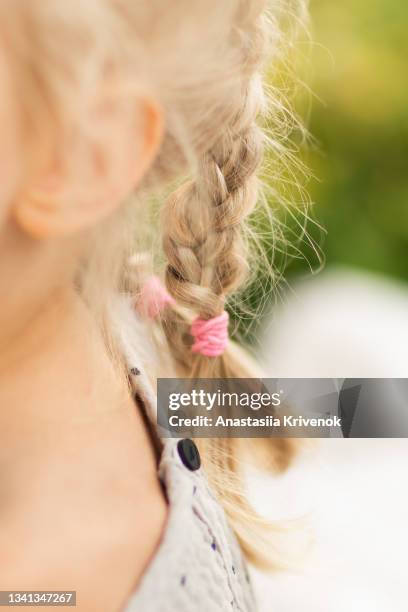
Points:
x=202, y=62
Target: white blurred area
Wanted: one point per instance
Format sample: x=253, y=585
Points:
x=352, y=491
x=340, y=324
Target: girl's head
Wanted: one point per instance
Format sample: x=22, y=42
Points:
x=105, y=101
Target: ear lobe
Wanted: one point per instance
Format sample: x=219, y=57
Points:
x=106, y=168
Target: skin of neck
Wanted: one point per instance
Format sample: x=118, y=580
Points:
x=72, y=444
x=54, y=365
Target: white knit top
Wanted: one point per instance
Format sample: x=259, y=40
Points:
x=198, y=566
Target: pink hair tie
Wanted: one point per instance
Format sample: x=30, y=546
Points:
x=210, y=335
x=153, y=298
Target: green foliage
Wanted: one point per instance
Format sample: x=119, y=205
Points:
x=361, y=126
x=357, y=115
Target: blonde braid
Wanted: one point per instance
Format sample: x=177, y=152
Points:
x=204, y=227
x=204, y=222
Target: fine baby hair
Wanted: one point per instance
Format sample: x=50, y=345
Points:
x=198, y=65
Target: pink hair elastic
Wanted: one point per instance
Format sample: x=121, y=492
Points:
x=153, y=298
x=210, y=335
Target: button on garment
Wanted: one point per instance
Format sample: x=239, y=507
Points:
x=189, y=454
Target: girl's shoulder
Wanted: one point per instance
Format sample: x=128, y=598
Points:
x=198, y=565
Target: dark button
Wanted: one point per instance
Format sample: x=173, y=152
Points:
x=189, y=454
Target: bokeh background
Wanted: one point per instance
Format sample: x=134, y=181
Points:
x=360, y=120
x=352, y=95
x=349, y=319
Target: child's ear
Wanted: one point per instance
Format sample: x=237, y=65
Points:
x=87, y=179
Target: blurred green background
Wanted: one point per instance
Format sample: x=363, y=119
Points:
x=359, y=118
x=357, y=115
